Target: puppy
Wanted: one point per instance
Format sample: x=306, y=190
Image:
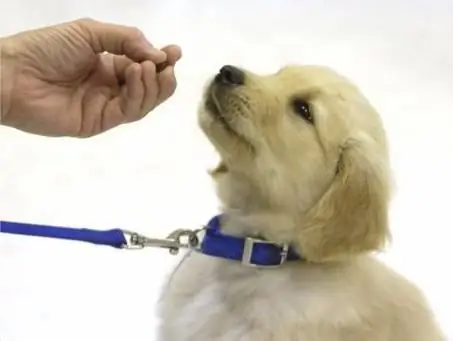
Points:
x=304, y=163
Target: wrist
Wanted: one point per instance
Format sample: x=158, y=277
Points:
x=6, y=78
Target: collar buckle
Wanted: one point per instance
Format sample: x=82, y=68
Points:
x=249, y=244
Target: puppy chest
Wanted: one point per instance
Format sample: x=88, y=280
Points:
x=266, y=310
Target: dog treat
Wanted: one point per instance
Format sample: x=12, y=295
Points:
x=161, y=67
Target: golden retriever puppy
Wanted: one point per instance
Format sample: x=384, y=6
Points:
x=304, y=180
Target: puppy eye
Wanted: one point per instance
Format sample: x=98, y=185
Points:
x=302, y=108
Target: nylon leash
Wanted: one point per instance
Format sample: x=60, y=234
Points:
x=114, y=237
x=117, y=238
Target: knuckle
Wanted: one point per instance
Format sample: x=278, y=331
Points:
x=83, y=28
x=135, y=33
x=86, y=21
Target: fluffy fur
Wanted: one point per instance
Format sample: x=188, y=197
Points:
x=321, y=186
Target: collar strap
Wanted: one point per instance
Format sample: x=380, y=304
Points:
x=250, y=251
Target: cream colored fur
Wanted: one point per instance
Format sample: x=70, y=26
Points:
x=323, y=187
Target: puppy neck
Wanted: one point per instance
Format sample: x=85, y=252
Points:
x=248, y=211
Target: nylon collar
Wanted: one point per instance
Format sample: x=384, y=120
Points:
x=249, y=251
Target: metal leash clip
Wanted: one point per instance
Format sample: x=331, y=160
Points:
x=179, y=239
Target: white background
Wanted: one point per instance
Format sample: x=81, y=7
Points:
x=151, y=176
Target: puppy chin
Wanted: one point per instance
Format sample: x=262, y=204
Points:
x=215, y=131
x=221, y=169
x=222, y=125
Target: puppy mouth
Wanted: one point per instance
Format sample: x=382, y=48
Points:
x=213, y=107
x=223, y=103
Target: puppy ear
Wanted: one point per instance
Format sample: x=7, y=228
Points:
x=351, y=217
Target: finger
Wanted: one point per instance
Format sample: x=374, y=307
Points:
x=167, y=84
x=132, y=94
x=151, y=86
x=120, y=40
x=120, y=65
x=173, y=53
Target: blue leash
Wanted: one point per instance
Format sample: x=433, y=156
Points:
x=115, y=237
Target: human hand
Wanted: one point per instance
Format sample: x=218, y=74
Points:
x=56, y=81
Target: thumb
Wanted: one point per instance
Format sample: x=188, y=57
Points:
x=119, y=40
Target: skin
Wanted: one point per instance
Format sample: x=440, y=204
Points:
x=82, y=78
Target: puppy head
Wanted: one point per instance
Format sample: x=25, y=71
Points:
x=302, y=143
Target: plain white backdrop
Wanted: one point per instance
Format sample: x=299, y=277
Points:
x=151, y=176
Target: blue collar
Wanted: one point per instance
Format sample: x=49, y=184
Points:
x=249, y=251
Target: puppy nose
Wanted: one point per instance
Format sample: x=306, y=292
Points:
x=231, y=75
